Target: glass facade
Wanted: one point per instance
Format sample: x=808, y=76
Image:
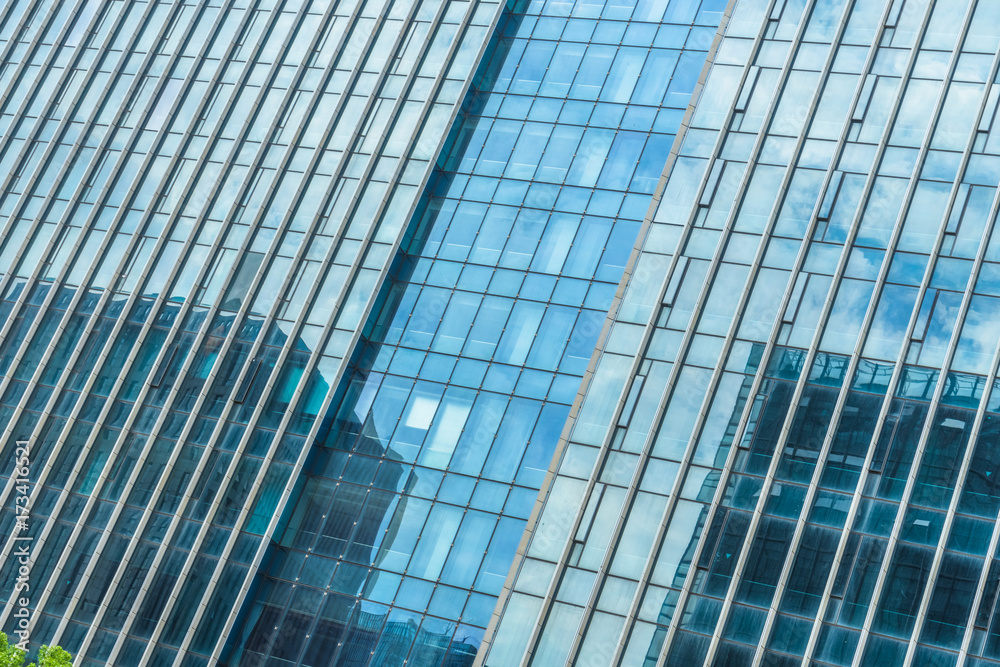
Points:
x=293, y=317
x=786, y=448
x=410, y=513
x=199, y=202
x=299, y=303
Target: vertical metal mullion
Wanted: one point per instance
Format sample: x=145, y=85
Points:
x=299, y=464
x=995, y=206
x=61, y=441
x=917, y=457
x=161, y=300
x=34, y=88
x=34, y=279
x=831, y=432
x=969, y=448
x=771, y=343
x=229, y=340
x=7, y=278
x=7, y=20
x=244, y=371
x=705, y=291
x=298, y=391
x=939, y=389
x=717, y=374
x=184, y=310
x=758, y=512
x=5, y=52
x=26, y=145
x=118, y=326
x=8, y=488
x=675, y=264
x=755, y=388
x=977, y=601
x=75, y=355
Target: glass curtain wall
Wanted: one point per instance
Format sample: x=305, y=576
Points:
x=799, y=464
x=199, y=201
x=400, y=539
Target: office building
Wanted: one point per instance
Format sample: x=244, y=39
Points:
x=787, y=449
x=298, y=296
x=296, y=299
x=414, y=506
x=200, y=201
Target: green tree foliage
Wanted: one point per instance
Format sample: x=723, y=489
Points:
x=48, y=656
x=10, y=654
x=54, y=656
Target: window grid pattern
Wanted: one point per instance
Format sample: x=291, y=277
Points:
x=411, y=511
x=171, y=389
x=816, y=452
